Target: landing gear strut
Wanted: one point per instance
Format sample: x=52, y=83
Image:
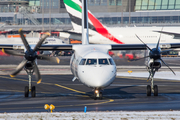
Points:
x=97, y=94
x=153, y=88
x=30, y=88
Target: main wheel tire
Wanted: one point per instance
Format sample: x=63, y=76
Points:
x=26, y=91
x=100, y=95
x=148, y=90
x=155, y=90
x=33, y=91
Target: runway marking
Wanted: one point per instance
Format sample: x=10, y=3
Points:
x=110, y=100
x=10, y=90
x=97, y=103
x=70, y=89
x=13, y=78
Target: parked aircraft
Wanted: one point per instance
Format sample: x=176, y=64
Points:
x=90, y=63
x=100, y=34
x=31, y=40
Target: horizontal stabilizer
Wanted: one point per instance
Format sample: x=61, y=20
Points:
x=74, y=33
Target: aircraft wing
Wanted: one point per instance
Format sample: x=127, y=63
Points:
x=113, y=46
x=142, y=46
x=176, y=35
x=56, y=47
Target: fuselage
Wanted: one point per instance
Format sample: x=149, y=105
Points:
x=31, y=40
x=93, y=66
x=127, y=35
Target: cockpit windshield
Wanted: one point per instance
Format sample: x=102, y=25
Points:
x=111, y=61
x=82, y=62
x=91, y=62
x=103, y=62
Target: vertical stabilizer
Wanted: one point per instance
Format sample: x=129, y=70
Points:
x=85, y=32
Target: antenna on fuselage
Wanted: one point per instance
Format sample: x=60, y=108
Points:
x=85, y=31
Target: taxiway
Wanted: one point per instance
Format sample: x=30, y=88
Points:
x=127, y=94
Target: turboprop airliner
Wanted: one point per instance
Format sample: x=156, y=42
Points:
x=90, y=63
x=100, y=34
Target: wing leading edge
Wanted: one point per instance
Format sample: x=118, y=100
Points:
x=113, y=47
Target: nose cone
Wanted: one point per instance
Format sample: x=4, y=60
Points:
x=97, y=76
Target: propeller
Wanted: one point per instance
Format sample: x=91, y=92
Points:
x=155, y=53
x=30, y=56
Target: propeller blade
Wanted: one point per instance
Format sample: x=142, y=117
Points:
x=19, y=68
x=37, y=73
x=12, y=52
x=24, y=40
x=143, y=43
x=41, y=41
x=159, y=40
x=168, y=66
x=52, y=59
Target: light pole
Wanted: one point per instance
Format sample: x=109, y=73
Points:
x=42, y=15
x=50, y=16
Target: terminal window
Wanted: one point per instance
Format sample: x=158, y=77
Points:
x=157, y=5
x=111, y=2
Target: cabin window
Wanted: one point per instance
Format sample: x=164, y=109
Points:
x=111, y=61
x=91, y=62
x=82, y=62
x=103, y=62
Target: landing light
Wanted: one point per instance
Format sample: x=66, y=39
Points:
x=96, y=91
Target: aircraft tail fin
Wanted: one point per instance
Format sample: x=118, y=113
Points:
x=74, y=8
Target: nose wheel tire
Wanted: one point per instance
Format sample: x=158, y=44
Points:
x=155, y=90
x=148, y=90
x=26, y=92
x=95, y=98
x=33, y=91
x=100, y=95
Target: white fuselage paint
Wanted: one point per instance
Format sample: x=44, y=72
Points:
x=94, y=76
x=31, y=40
x=127, y=35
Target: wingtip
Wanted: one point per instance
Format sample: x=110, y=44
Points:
x=12, y=75
x=3, y=50
x=20, y=29
x=48, y=33
x=57, y=59
x=39, y=81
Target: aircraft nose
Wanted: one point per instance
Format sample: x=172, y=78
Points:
x=98, y=76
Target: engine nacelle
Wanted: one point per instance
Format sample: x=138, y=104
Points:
x=29, y=66
x=154, y=63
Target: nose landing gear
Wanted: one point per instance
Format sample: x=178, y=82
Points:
x=97, y=94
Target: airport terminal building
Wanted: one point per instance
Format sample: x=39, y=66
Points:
x=109, y=12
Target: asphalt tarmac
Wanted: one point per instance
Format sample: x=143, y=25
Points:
x=127, y=94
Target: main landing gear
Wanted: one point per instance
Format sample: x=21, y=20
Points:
x=97, y=94
x=153, y=88
x=30, y=88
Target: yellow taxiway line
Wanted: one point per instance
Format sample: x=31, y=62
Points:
x=61, y=86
